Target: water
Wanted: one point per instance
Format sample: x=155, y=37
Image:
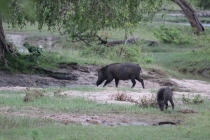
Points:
x=18, y=40
x=188, y=24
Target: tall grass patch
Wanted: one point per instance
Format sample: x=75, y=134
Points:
x=184, y=62
x=64, y=104
x=121, y=53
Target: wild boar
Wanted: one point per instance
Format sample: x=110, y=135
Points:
x=163, y=96
x=119, y=71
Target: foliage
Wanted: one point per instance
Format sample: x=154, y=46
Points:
x=35, y=52
x=123, y=52
x=17, y=63
x=196, y=100
x=149, y=60
x=171, y=35
x=81, y=20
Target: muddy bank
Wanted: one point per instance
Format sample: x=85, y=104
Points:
x=85, y=75
x=82, y=75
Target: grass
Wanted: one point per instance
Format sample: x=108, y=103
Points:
x=170, y=58
x=68, y=105
x=112, y=133
x=70, y=52
x=185, y=63
x=193, y=127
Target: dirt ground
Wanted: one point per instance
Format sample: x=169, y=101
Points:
x=87, y=75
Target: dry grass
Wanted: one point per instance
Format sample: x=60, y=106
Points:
x=31, y=95
x=142, y=102
x=123, y=97
x=148, y=101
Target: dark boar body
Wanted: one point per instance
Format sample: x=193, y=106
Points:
x=163, y=96
x=120, y=71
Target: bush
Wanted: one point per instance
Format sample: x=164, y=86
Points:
x=126, y=53
x=196, y=100
x=23, y=62
x=171, y=35
x=16, y=63
x=35, y=52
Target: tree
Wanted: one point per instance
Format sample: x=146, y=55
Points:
x=190, y=13
x=82, y=19
x=2, y=36
x=77, y=19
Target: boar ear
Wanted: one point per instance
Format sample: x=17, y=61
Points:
x=99, y=68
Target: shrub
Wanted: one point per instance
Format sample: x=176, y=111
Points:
x=16, y=63
x=35, y=52
x=126, y=53
x=171, y=35
x=196, y=100
x=130, y=53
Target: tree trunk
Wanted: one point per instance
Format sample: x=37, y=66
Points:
x=2, y=40
x=4, y=46
x=191, y=15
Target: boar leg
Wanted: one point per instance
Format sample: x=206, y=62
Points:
x=116, y=82
x=166, y=103
x=172, y=103
x=133, y=81
x=141, y=81
x=109, y=79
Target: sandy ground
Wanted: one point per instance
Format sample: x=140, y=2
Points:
x=87, y=75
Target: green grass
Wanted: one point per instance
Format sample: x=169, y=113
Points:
x=57, y=132
x=65, y=104
x=169, y=58
x=194, y=126
x=185, y=63
x=72, y=52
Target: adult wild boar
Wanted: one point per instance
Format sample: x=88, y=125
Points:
x=119, y=71
x=163, y=96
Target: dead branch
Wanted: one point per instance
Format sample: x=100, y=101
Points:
x=57, y=75
x=167, y=122
x=130, y=40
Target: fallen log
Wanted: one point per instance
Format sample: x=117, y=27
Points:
x=57, y=75
x=167, y=122
x=130, y=40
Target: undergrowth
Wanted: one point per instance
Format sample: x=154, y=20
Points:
x=171, y=35
x=129, y=53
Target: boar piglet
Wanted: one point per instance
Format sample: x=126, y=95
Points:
x=119, y=71
x=163, y=96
